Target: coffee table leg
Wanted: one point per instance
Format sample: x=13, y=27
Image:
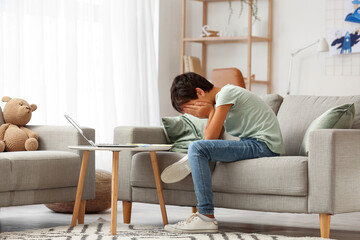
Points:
x=80, y=188
x=155, y=166
x=114, y=192
x=81, y=215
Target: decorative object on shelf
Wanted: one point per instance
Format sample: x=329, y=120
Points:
x=250, y=3
x=206, y=32
x=102, y=201
x=226, y=32
x=353, y=16
x=323, y=46
x=259, y=28
x=345, y=41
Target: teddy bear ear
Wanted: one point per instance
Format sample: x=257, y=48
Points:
x=33, y=107
x=6, y=99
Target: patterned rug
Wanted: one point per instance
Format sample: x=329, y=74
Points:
x=100, y=230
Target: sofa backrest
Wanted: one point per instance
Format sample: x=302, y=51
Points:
x=1, y=117
x=273, y=100
x=297, y=112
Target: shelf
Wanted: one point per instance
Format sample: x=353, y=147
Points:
x=211, y=0
x=247, y=39
x=210, y=40
x=258, y=81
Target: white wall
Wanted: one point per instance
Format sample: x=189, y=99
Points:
x=295, y=24
x=169, y=51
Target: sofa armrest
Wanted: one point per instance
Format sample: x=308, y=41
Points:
x=334, y=171
x=58, y=138
x=126, y=134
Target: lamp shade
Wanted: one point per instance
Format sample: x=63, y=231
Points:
x=323, y=45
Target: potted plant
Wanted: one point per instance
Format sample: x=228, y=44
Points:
x=252, y=4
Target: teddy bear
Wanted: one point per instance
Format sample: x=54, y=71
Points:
x=13, y=135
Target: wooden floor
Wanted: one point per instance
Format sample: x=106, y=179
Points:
x=343, y=226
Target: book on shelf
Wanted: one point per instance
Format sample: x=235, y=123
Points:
x=192, y=64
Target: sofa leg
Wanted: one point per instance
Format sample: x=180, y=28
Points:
x=193, y=209
x=325, y=225
x=127, y=211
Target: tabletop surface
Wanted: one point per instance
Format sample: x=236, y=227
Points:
x=138, y=148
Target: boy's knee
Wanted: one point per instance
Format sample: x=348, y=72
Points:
x=196, y=147
x=192, y=147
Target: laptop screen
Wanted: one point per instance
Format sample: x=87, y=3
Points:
x=79, y=129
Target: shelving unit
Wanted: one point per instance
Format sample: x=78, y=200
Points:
x=249, y=40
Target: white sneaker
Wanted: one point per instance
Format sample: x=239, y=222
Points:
x=194, y=224
x=176, y=171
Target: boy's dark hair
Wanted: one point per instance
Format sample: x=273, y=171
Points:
x=183, y=88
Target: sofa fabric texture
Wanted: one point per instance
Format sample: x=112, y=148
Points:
x=274, y=101
x=297, y=112
x=334, y=167
x=37, y=170
x=326, y=181
x=252, y=176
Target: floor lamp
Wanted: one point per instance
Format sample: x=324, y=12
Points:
x=323, y=46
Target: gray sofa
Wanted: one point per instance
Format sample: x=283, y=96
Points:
x=49, y=174
x=326, y=182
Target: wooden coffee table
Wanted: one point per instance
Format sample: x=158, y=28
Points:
x=79, y=207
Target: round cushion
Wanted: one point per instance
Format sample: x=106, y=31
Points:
x=102, y=201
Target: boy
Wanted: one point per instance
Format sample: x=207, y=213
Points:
x=238, y=112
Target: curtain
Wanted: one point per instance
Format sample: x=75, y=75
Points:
x=92, y=59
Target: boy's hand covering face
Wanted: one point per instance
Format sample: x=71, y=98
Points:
x=198, y=109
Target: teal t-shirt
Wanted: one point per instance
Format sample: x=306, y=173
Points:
x=250, y=117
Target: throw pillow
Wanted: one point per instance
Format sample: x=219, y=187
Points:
x=182, y=130
x=340, y=117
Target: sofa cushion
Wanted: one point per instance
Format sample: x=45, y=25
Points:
x=142, y=173
x=273, y=100
x=297, y=112
x=40, y=170
x=341, y=117
x=269, y=175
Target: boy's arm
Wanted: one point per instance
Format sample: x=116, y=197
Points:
x=216, y=117
x=215, y=124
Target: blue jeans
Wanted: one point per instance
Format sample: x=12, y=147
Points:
x=203, y=151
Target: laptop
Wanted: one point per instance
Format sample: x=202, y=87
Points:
x=91, y=142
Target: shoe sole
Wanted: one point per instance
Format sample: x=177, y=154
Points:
x=175, y=230
x=176, y=171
